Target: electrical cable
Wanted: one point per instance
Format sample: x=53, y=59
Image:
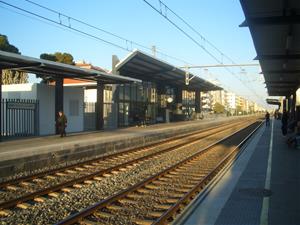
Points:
x=197, y=43
x=104, y=31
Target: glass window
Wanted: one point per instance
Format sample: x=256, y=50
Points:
x=74, y=107
x=127, y=92
x=121, y=92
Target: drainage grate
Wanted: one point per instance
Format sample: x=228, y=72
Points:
x=255, y=192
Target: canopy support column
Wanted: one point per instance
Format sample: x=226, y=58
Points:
x=178, y=96
x=198, y=101
x=1, y=104
x=99, y=106
x=59, y=98
x=293, y=106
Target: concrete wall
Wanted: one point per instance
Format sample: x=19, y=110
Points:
x=46, y=97
x=73, y=104
x=74, y=108
x=19, y=91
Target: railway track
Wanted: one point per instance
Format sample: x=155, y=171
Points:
x=161, y=197
x=39, y=187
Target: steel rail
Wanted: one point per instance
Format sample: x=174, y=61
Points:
x=171, y=212
x=101, y=158
x=102, y=204
x=45, y=191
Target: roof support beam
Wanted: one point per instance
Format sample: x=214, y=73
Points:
x=21, y=66
x=272, y=20
x=280, y=82
x=280, y=72
x=277, y=57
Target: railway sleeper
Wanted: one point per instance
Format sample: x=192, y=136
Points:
x=143, y=221
x=89, y=166
x=163, y=206
x=101, y=214
x=88, y=222
x=11, y=188
x=26, y=184
x=40, y=199
x=66, y=190
x=155, y=214
x=143, y=190
x=60, y=174
x=50, y=177
x=114, y=207
x=151, y=187
x=23, y=205
x=53, y=194
x=70, y=171
x=98, y=178
x=38, y=180
x=5, y=212
x=134, y=195
x=126, y=201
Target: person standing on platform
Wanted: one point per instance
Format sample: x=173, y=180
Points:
x=267, y=117
x=284, y=122
x=62, y=123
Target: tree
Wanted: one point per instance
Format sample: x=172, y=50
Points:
x=219, y=108
x=66, y=58
x=48, y=57
x=11, y=76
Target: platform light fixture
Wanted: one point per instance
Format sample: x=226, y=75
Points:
x=169, y=99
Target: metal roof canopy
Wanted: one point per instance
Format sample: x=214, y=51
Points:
x=273, y=101
x=275, y=30
x=145, y=67
x=46, y=68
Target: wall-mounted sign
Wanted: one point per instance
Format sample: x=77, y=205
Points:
x=20, y=105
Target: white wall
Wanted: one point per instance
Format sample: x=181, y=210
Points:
x=73, y=97
x=19, y=91
x=46, y=97
x=90, y=95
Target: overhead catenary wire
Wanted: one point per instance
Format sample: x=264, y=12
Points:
x=69, y=27
x=66, y=26
x=165, y=16
x=105, y=31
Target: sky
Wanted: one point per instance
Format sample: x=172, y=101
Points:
x=216, y=20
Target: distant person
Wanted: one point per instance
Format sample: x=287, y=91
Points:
x=61, y=123
x=267, y=117
x=284, y=122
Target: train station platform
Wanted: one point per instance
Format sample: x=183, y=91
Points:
x=34, y=153
x=260, y=187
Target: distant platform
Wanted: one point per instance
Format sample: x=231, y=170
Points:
x=33, y=153
x=261, y=187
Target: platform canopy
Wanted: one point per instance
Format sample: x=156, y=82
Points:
x=147, y=68
x=275, y=29
x=273, y=101
x=46, y=68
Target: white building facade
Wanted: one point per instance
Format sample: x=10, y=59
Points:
x=45, y=94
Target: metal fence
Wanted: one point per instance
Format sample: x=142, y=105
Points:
x=19, y=118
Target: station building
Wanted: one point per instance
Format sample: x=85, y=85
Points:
x=140, y=89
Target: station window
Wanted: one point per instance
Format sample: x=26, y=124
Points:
x=74, y=107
